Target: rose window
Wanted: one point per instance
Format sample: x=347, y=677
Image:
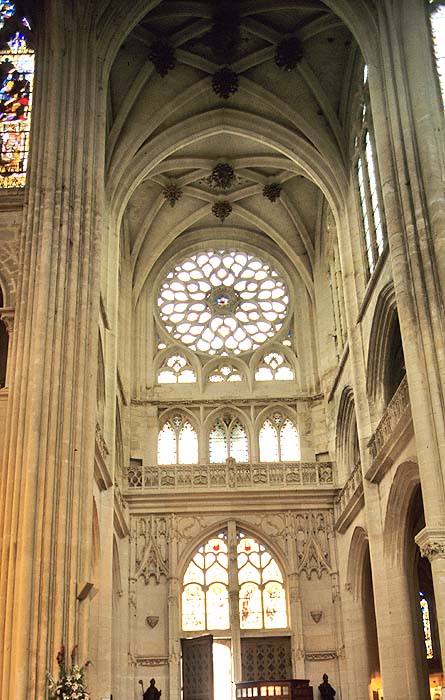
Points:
x=221, y=302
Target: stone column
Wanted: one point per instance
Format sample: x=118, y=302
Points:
x=295, y=612
x=234, y=602
x=174, y=650
x=46, y=481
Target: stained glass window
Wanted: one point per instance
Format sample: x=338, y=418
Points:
x=261, y=595
x=273, y=365
x=262, y=600
x=228, y=438
x=205, y=597
x=424, y=607
x=177, y=442
x=279, y=441
x=176, y=370
x=16, y=83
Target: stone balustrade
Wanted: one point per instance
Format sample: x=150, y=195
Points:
x=349, y=496
x=230, y=476
x=393, y=414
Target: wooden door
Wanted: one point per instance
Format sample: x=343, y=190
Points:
x=197, y=668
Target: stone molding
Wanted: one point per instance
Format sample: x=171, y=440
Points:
x=230, y=476
x=150, y=661
x=101, y=471
x=431, y=542
x=320, y=655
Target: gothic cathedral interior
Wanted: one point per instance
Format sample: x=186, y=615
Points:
x=222, y=354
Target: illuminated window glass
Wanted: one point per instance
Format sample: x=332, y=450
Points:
x=205, y=596
x=176, y=370
x=272, y=366
x=16, y=82
x=262, y=600
x=279, y=440
x=438, y=32
x=424, y=607
x=177, y=442
x=228, y=438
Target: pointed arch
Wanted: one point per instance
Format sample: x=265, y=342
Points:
x=347, y=452
x=403, y=490
x=385, y=314
x=358, y=549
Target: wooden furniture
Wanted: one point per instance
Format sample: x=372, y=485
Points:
x=294, y=689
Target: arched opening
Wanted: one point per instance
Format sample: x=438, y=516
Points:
x=423, y=603
x=372, y=645
x=395, y=361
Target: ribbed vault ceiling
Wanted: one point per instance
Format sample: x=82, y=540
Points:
x=285, y=127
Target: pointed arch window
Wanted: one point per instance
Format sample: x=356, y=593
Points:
x=16, y=84
x=426, y=622
x=260, y=594
x=279, y=441
x=368, y=185
x=176, y=370
x=228, y=438
x=177, y=442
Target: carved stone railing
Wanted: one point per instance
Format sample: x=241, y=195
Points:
x=349, y=498
x=394, y=412
x=230, y=476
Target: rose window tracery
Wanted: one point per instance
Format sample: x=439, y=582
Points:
x=222, y=302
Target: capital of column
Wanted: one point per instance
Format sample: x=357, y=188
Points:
x=7, y=316
x=431, y=542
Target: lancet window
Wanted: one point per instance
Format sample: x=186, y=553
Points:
x=426, y=622
x=176, y=370
x=16, y=84
x=273, y=365
x=279, y=440
x=228, y=438
x=177, y=441
x=260, y=594
x=370, y=198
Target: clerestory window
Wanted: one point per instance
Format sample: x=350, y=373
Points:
x=368, y=185
x=177, y=442
x=279, y=440
x=228, y=438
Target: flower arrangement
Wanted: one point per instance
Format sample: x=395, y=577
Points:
x=70, y=685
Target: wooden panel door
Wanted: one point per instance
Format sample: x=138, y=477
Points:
x=266, y=659
x=197, y=668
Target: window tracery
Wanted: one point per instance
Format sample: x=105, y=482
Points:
x=228, y=438
x=273, y=365
x=176, y=369
x=16, y=84
x=177, y=441
x=261, y=595
x=225, y=373
x=223, y=302
x=278, y=440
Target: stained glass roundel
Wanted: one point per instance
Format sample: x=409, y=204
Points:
x=222, y=302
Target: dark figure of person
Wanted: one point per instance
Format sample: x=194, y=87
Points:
x=152, y=693
x=327, y=692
